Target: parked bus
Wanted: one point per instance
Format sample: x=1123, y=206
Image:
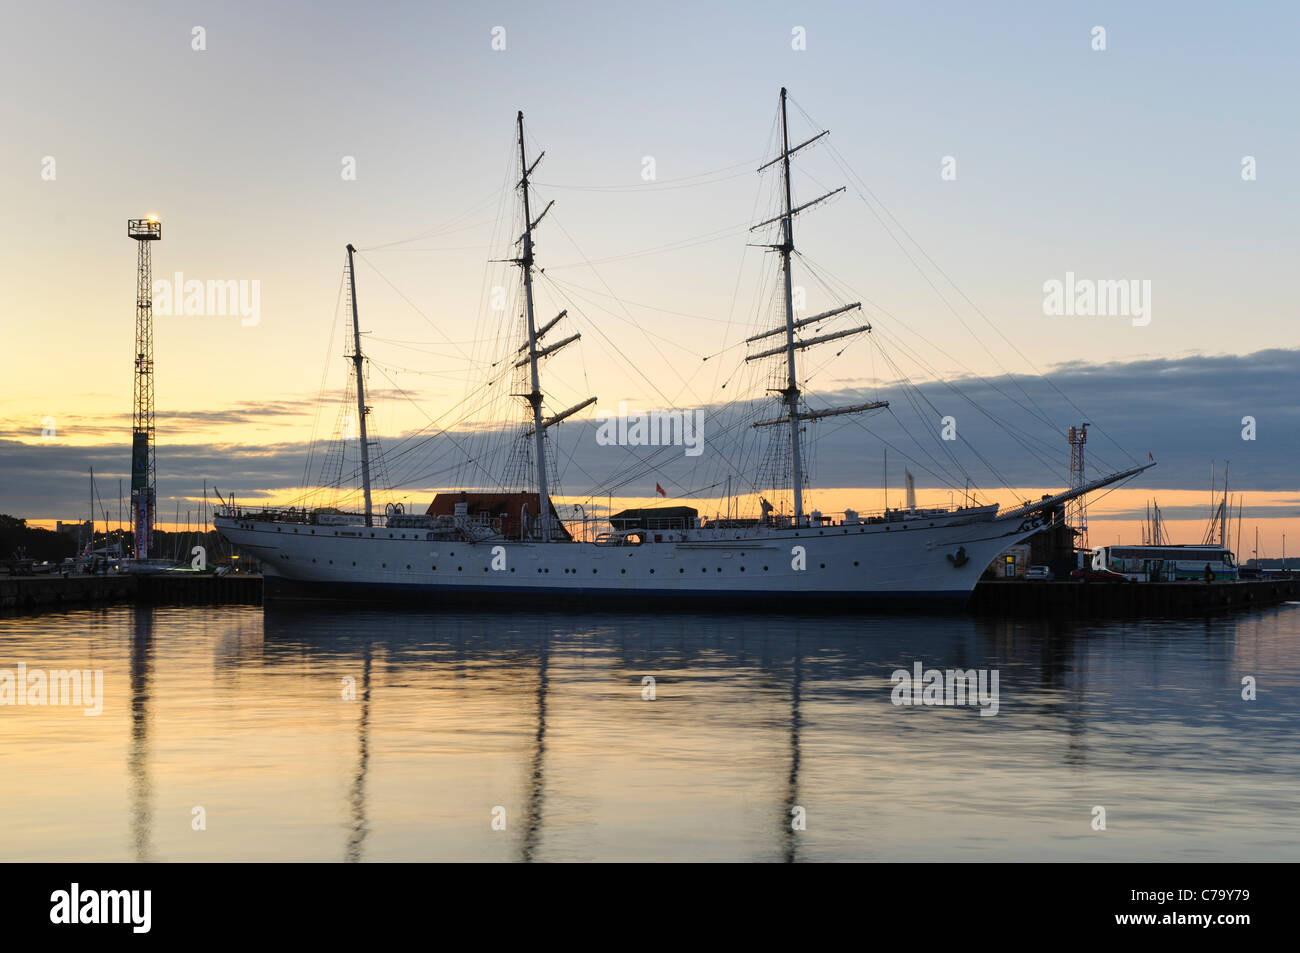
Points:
x=1167, y=563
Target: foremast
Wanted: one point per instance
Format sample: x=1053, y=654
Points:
x=790, y=394
x=535, y=353
x=362, y=409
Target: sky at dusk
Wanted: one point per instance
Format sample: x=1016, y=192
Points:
x=986, y=152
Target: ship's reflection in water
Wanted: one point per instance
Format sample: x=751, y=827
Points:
x=358, y=798
x=368, y=735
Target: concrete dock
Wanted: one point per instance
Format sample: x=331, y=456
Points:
x=52, y=591
x=1139, y=600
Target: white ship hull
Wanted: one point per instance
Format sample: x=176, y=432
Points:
x=916, y=560
x=916, y=556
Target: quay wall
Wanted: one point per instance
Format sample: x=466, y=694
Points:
x=35, y=593
x=1011, y=598
x=1137, y=600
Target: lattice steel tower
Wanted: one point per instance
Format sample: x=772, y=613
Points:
x=143, y=469
x=1076, y=514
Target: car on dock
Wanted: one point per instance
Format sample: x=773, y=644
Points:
x=1098, y=575
x=1040, y=573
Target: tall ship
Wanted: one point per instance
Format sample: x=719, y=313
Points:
x=489, y=545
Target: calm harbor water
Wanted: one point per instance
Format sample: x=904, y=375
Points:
x=541, y=722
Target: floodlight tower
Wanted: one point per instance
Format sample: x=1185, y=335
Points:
x=1077, y=514
x=143, y=489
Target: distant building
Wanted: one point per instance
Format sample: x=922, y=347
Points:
x=79, y=530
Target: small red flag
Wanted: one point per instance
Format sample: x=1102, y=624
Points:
x=1149, y=457
x=660, y=490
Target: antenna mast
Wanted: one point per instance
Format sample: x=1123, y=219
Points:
x=1077, y=511
x=362, y=409
x=143, y=465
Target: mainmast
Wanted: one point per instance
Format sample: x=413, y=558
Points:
x=362, y=409
x=790, y=393
x=534, y=395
